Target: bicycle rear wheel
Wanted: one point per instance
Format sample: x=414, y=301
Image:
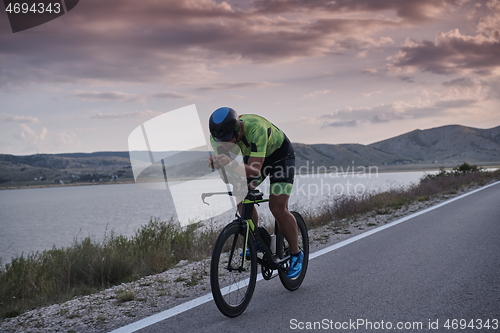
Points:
x=232, y=281
x=282, y=250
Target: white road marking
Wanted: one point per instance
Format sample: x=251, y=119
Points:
x=130, y=328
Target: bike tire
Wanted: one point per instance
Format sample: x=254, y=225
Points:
x=232, y=289
x=282, y=251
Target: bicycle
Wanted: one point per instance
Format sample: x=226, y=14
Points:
x=233, y=269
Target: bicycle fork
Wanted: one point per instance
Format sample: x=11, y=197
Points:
x=234, y=249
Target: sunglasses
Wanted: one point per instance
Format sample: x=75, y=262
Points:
x=226, y=138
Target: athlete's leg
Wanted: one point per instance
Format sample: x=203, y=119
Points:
x=278, y=204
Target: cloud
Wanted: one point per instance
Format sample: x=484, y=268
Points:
x=408, y=79
x=362, y=43
x=117, y=96
x=134, y=114
x=17, y=119
x=379, y=114
x=385, y=113
x=172, y=95
x=221, y=86
x=461, y=82
x=64, y=141
x=235, y=97
x=456, y=103
x=371, y=71
x=490, y=24
x=185, y=42
x=112, y=96
x=494, y=86
x=453, y=53
x=316, y=94
x=29, y=135
x=350, y=123
x=367, y=95
x=413, y=10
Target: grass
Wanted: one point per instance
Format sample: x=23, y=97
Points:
x=89, y=265
x=445, y=182
x=123, y=296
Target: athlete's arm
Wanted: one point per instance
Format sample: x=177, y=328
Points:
x=254, y=166
x=253, y=169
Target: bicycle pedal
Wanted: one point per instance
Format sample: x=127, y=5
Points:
x=281, y=261
x=269, y=275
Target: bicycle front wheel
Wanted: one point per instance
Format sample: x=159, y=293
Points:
x=233, y=277
x=282, y=250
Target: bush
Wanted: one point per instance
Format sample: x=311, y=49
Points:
x=444, y=182
x=89, y=265
x=466, y=168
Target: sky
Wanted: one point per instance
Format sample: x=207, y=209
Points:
x=356, y=71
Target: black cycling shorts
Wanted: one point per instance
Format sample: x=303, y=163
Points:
x=279, y=167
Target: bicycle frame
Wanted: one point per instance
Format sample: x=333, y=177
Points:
x=248, y=205
x=230, y=255
x=253, y=197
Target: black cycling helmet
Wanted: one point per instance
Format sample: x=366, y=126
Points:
x=224, y=124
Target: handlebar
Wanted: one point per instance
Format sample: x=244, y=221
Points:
x=252, y=195
x=205, y=195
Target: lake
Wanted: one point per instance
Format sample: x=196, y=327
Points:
x=37, y=219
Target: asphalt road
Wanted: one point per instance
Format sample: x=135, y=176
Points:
x=439, y=266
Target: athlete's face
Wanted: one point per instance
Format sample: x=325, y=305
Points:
x=229, y=144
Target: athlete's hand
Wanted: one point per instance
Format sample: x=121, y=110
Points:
x=219, y=161
x=210, y=162
x=223, y=160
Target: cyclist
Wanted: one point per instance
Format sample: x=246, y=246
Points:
x=266, y=152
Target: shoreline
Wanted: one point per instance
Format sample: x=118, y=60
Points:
x=27, y=187
x=343, y=173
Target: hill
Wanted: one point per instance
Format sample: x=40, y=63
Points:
x=444, y=144
x=41, y=169
x=341, y=155
x=440, y=146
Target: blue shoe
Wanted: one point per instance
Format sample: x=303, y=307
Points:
x=257, y=249
x=295, y=265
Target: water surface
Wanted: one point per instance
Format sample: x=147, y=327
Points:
x=37, y=219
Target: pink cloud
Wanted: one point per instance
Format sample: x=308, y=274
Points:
x=451, y=53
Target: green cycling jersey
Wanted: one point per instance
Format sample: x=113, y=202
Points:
x=261, y=138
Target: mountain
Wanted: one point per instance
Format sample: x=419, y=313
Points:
x=326, y=155
x=441, y=146
x=63, y=168
x=451, y=143
x=69, y=161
